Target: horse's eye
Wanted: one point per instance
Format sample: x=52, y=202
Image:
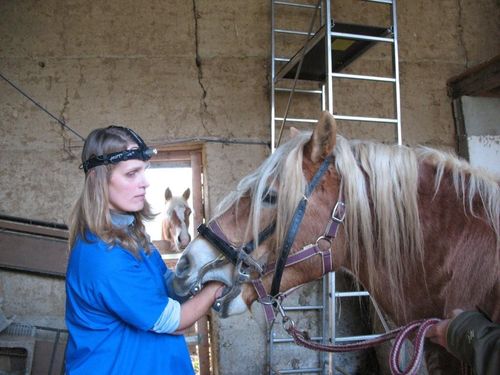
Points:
x=271, y=197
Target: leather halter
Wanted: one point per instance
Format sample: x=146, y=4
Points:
x=214, y=234
x=295, y=224
x=240, y=256
x=273, y=301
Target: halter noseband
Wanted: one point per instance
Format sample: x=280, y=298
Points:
x=240, y=256
x=213, y=234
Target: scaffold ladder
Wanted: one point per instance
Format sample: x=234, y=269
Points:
x=291, y=75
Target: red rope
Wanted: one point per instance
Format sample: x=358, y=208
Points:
x=400, y=334
x=421, y=326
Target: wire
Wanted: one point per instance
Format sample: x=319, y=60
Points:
x=297, y=72
x=63, y=124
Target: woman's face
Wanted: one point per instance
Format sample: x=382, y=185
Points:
x=127, y=186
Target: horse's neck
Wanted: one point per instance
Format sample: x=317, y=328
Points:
x=461, y=251
x=459, y=267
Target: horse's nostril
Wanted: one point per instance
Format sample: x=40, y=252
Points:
x=183, y=241
x=182, y=267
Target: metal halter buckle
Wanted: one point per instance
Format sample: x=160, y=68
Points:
x=338, y=213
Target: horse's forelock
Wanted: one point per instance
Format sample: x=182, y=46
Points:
x=292, y=186
x=283, y=168
x=172, y=204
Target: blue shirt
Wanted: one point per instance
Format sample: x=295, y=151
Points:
x=113, y=299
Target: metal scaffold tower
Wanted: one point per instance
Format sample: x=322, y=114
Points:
x=322, y=58
x=340, y=56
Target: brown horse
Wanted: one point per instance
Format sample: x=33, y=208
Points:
x=421, y=230
x=175, y=221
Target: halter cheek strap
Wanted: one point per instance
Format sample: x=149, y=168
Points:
x=295, y=224
x=336, y=219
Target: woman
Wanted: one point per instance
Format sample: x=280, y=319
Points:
x=121, y=313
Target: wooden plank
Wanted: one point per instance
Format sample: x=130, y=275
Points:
x=345, y=49
x=49, y=356
x=480, y=80
x=33, y=229
x=172, y=155
x=32, y=253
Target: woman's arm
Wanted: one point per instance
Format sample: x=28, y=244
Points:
x=196, y=307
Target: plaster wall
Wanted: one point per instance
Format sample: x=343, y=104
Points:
x=180, y=69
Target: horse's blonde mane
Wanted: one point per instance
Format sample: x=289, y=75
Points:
x=468, y=182
x=380, y=190
x=383, y=215
x=380, y=185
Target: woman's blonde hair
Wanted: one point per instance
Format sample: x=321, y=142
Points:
x=91, y=211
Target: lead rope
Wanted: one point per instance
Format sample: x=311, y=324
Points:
x=400, y=335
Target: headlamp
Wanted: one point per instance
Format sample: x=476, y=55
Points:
x=143, y=152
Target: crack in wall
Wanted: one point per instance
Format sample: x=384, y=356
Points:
x=66, y=137
x=203, y=103
x=64, y=108
x=461, y=34
x=64, y=134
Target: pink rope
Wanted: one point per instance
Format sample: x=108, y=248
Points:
x=422, y=326
x=400, y=334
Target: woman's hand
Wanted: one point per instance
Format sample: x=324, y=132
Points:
x=196, y=307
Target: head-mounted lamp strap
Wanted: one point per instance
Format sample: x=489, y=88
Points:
x=116, y=157
x=143, y=152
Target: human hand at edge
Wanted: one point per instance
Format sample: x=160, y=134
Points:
x=437, y=333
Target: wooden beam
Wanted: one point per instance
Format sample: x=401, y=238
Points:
x=480, y=80
x=33, y=229
x=33, y=253
x=33, y=246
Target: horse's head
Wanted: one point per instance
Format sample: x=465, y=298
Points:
x=175, y=224
x=244, y=239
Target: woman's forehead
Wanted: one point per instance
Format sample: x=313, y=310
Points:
x=131, y=164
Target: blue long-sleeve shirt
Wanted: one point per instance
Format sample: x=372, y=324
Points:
x=113, y=301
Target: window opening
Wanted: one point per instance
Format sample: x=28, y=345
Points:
x=179, y=169
x=177, y=176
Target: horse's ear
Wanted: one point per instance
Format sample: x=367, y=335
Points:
x=168, y=194
x=323, y=138
x=186, y=194
x=294, y=132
